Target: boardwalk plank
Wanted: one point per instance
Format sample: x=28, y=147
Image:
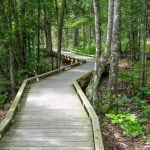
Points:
x=14, y=131
x=46, y=144
x=49, y=148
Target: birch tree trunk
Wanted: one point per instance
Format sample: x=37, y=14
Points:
x=102, y=62
x=96, y=4
x=115, y=48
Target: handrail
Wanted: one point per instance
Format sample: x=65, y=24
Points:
x=9, y=118
x=98, y=142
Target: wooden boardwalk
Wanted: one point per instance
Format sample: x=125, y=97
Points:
x=51, y=116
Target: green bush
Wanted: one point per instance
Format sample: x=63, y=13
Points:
x=90, y=50
x=146, y=90
x=135, y=101
x=108, y=103
x=128, y=122
x=3, y=98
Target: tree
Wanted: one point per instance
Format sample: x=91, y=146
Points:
x=144, y=42
x=102, y=62
x=38, y=36
x=60, y=32
x=11, y=55
x=96, y=5
x=48, y=30
x=115, y=48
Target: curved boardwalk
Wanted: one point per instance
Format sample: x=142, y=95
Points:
x=51, y=116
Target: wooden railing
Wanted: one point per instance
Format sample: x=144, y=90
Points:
x=98, y=142
x=68, y=58
x=9, y=118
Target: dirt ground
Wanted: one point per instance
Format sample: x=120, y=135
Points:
x=3, y=110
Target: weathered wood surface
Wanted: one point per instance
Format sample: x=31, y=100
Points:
x=98, y=142
x=51, y=117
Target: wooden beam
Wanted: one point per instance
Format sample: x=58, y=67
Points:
x=98, y=142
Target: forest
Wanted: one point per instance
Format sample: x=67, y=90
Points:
x=115, y=32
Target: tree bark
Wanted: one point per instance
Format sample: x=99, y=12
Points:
x=60, y=32
x=102, y=62
x=11, y=56
x=12, y=78
x=76, y=33
x=144, y=44
x=48, y=31
x=96, y=4
x=113, y=72
x=38, y=37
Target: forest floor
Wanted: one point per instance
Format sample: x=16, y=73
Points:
x=3, y=110
x=113, y=136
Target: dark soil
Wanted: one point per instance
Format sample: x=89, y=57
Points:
x=3, y=110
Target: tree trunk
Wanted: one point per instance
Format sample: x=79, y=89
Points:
x=84, y=36
x=96, y=4
x=144, y=44
x=56, y=11
x=38, y=38
x=12, y=76
x=90, y=36
x=76, y=33
x=67, y=38
x=11, y=56
x=60, y=32
x=115, y=49
x=48, y=32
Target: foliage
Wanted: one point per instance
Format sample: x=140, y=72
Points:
x=107, y=104
x=146, y=90
x=131, y=75
x=147, y=138
x=146, y=112
x=146, y=116
x=128, y=122
x=135, y=101
x=101, y=108
x=80, y=21
x=89, y=51
x=3, y=98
